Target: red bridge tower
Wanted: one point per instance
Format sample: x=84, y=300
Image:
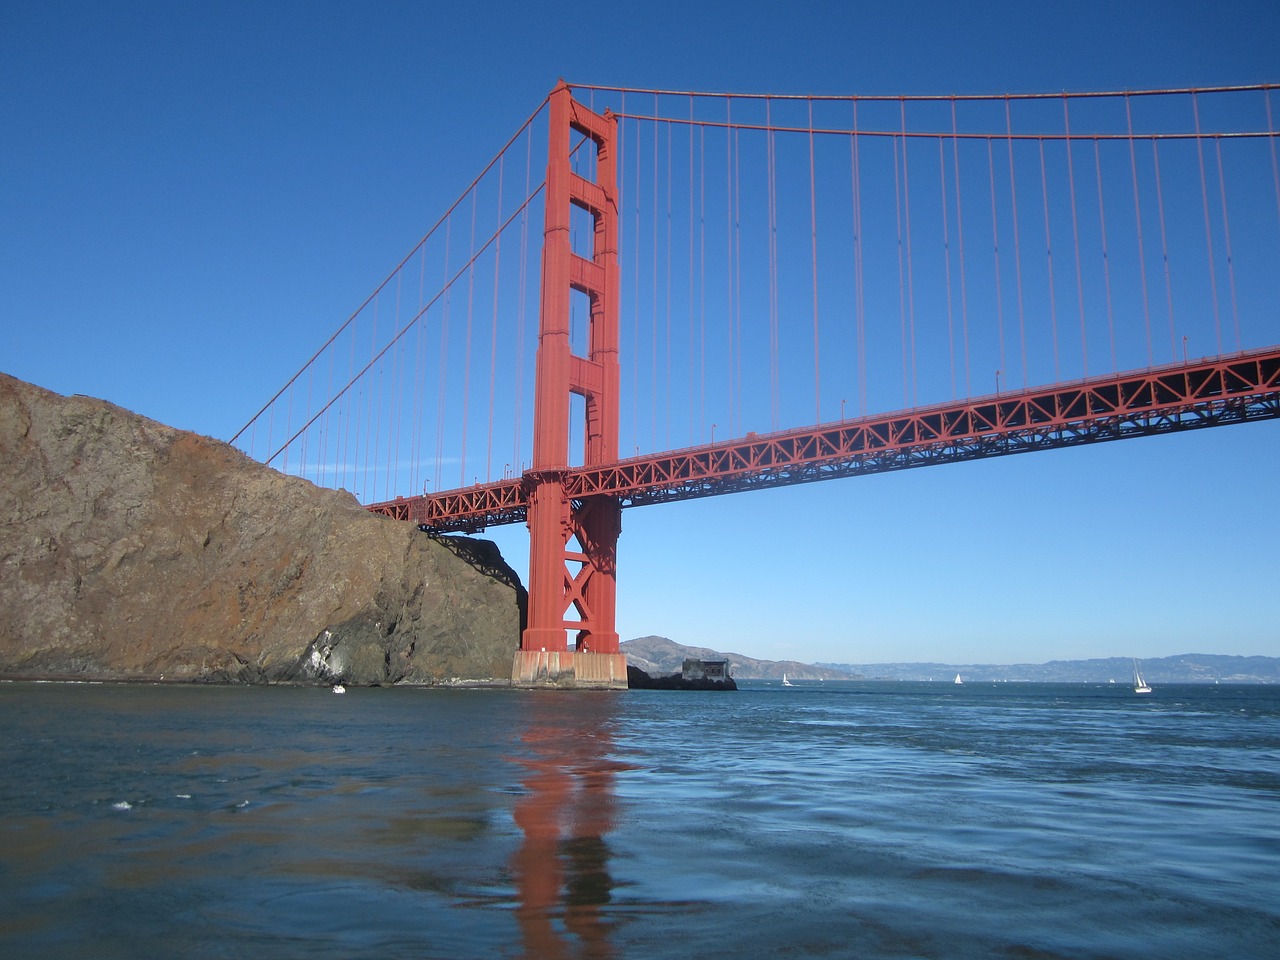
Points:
x=573, y=543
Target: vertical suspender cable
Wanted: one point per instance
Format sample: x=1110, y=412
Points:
x=813, y=234
x=425, y=381
x=653, y=333
x=393, y=438
x=288, y=427
x=1275, y=167
x=898, y=142
x=635, y=313
x=378, y=416
x=357, y=419
x=995, y=252
x=1226, y=238
x=517, y=463
x=702, y=282
x=373, y=440
x=1137, y=217
x=964, y=293
x=330, y=470
x=773, y=264
x=1017, y=245
x=466, y=356
x=911, y=286
x=1164, y=248
x=389, y=402
x=329, y=435
x=860, y=299
x=692, y=358
x=946, y=259
x=735, y=410
x=493, y=338
x=670, y=380
x=442, y=376
x=370, y=403
x=1075, y=236
x=307, y=434
x=1106, y=259
x=730, y=259
x=353, y=412
x=417, y=481
x=1208, y=231
x=419, y=358
x=271, y=425
x=1048, y=252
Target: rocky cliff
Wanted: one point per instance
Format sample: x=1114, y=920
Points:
x=129, y=549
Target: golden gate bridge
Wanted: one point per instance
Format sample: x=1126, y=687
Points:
x=834, y=285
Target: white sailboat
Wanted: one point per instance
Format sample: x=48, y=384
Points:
x=958, y=680
x=1139, y=685
x=786, y=682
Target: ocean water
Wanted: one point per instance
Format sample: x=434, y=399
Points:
x=858, y=820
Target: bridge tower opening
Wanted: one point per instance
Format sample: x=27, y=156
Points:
x=573, y=543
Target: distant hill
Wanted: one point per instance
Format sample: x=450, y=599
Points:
x=1183, y=668
x=659, y=656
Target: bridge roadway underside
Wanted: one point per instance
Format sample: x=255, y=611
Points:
x=1235, y=389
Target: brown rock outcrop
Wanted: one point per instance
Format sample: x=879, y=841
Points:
x=129, y=549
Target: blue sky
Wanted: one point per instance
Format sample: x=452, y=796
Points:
x=192, y=196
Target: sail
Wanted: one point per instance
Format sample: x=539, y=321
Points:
x=1139, y=685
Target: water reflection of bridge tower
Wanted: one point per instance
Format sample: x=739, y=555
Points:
x=562, y=867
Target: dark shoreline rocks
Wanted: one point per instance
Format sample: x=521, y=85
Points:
x=130, y=551
x=637, y=679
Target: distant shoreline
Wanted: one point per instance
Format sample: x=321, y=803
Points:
x=498, y=684
x=943, y=681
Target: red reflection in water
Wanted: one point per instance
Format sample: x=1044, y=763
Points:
x=562, y=867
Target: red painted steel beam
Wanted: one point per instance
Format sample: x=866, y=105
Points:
x=1225, y=390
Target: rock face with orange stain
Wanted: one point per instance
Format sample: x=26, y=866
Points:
x=131, y=550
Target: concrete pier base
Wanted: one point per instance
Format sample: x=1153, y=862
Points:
x=568, y=669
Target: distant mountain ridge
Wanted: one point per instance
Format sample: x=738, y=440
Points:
x=1181, y=668
x=659, y=656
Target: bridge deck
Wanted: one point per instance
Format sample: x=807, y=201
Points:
x=1233, y=389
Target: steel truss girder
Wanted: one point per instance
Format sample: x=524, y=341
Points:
x=1226, y=390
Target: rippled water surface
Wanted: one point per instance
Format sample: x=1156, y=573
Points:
x=824, y=820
